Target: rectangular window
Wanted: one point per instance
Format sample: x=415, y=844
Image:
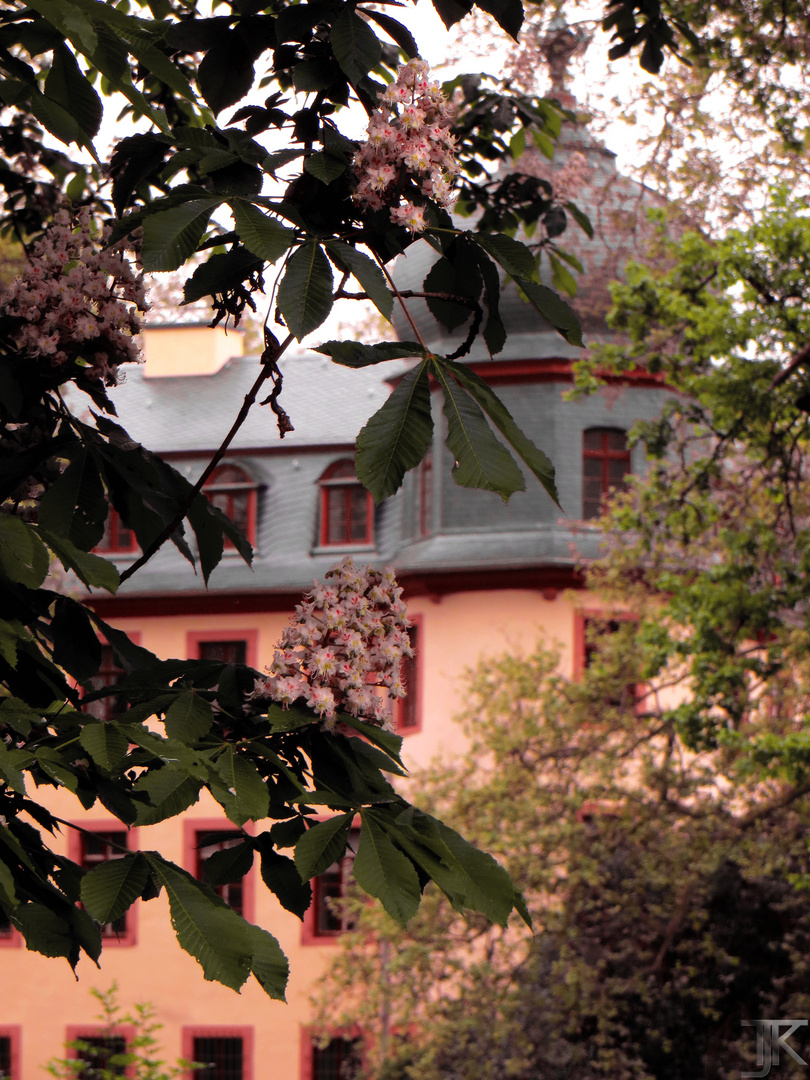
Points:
x=340, y=1059
x=117, y=538
x=324, y=918
x=10, y=1037
x=101, y=1055
x=222, y=1057
x=206, y=844
x=109, y=674
x=99, y=847
x=225, y=1052
x=226, y=652
x=407, y=711
x=590, y=630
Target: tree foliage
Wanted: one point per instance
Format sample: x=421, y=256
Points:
x=246, y=191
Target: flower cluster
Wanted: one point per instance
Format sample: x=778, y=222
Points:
x=409, y=149
x=77, y=302
x=347, y=638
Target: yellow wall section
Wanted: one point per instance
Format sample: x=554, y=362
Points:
x=188, y=350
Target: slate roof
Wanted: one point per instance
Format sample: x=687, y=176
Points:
x=327, y=404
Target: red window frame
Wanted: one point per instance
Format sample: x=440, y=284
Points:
x=196, y=639
x=329, y=885
x=310, y=1052
x=193, y=830
x=77, y=851
x=234, y=491
x=609, y=447
x=13, y=1033
x=408, y=710
x=117, y=538
x=342, y=495
x=218, y=1031
x=73, y=1032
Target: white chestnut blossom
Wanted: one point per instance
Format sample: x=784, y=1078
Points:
x=78, y=302
x=344, y=645
x=408, y=139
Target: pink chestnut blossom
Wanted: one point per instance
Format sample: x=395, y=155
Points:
x=347, y=638
x=410, y=144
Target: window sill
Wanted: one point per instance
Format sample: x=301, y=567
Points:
x=349, y=549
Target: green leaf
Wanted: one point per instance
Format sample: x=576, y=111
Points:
x=19, y=715
x=355, y=45
x=397, y=436
x=189, y=718
x=23, y=557
x=67, y=85
x=325, y=167
x=262, y=234
x=267, y=960
x=45, y=932
x=251, y=798
x=12, y=763
x=508, y=14
x=170, y=237
x=71, y=21
x=543, y=143
x=367, y=273
x=92, y=570
x=54, y=765
x=305, y=291
x=10, y=633
x=581, y=219
x=481, y=461
x=561, y=277
x=220, y=273
x=515, y=258
x=553, y=309
x=517, y=144
x=57, y=506
x=497, y=412
x=385, y=873
x=290, y=718
x=396, y=31
x=387, y=741
x=110, y=888
x=356, y=355
x=322, y=845
x=205, y=926
x=282, y=879
x=57, y=119
x=229, y=865
x=225, y=74
x=106, y=744
x=170, y=791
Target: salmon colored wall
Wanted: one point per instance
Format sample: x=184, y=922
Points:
x=41, y=994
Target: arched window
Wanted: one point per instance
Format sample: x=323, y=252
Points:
x=117, y=538
x=605, y=464
x=233, y=491
x=347, y=509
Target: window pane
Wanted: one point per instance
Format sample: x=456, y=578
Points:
x=5, y=1055
x=227, y=652
x=331, y=885
x=616, y=440
x=592, y=439
x=207, y=844
x=409, y=706
x=109, y=674
x=336, y=515
x=98, y=1054
x=98, y=847
x=221, y=1056
x=340, y=1059
x=358, y=513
